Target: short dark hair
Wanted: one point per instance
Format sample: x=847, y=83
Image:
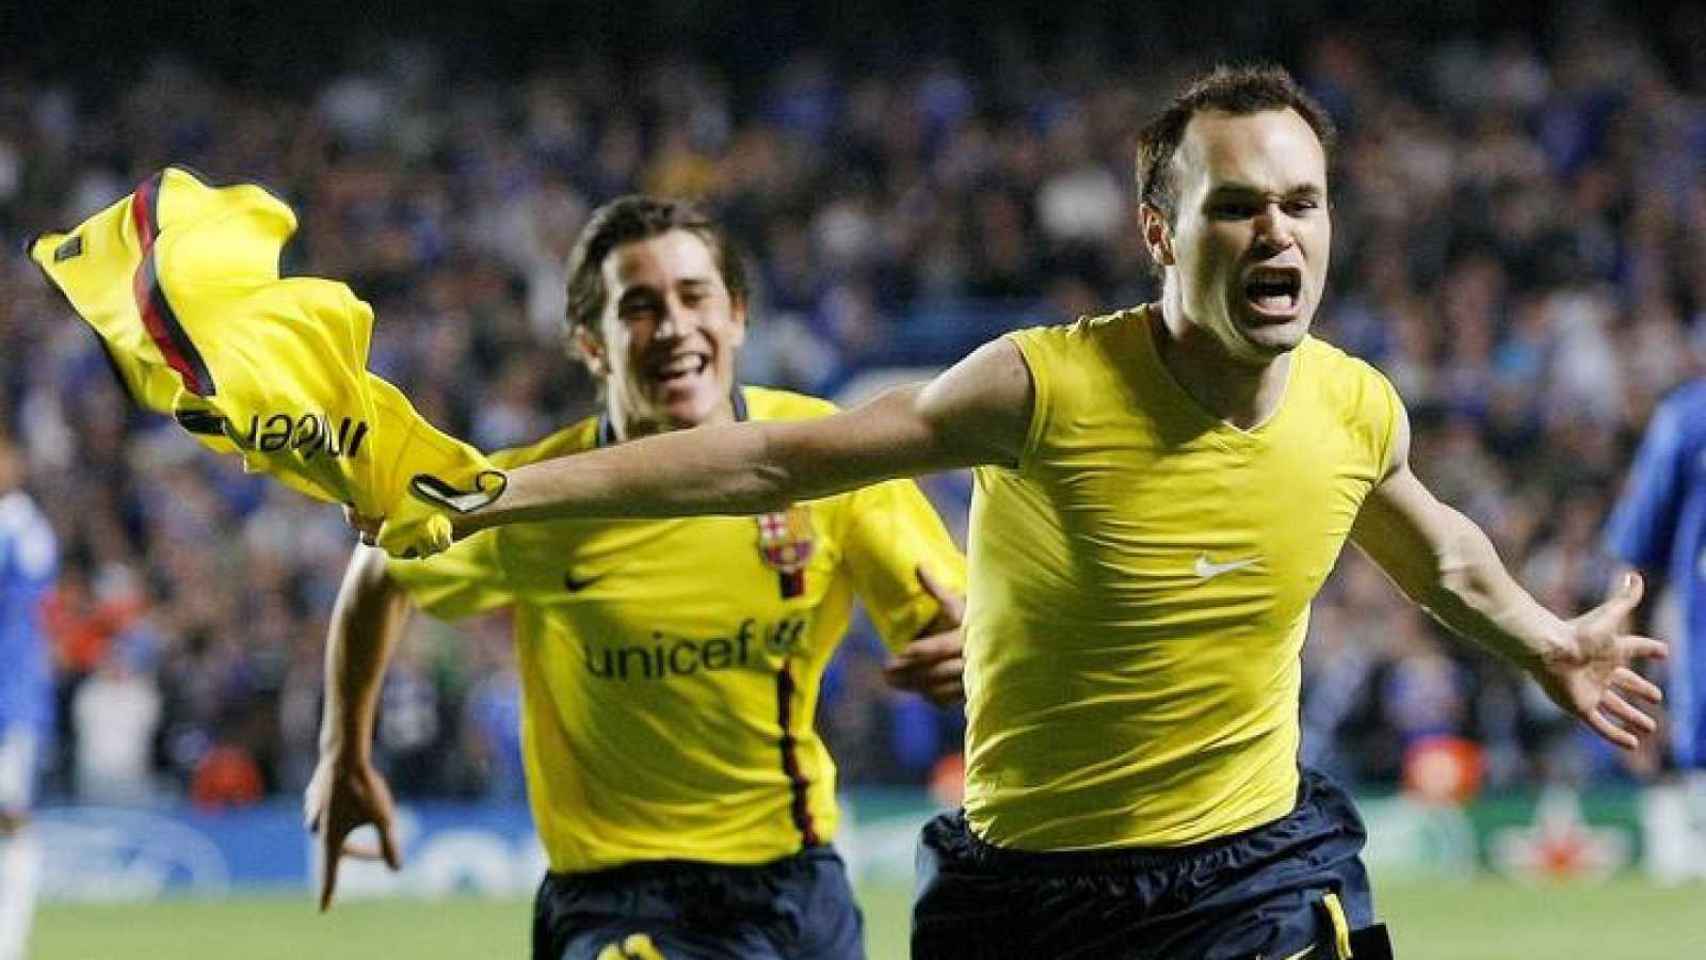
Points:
x=629, y=219
x=1238, y=90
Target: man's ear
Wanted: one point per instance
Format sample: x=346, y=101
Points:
x=1157, y=235
x=737, y=310
x=590, y=348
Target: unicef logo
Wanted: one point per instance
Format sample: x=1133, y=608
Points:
x=784, y=638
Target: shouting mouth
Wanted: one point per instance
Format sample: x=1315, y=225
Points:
x=1274, y=292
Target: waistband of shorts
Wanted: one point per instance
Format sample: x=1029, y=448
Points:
x=692, y=871
x=1312, y=787
x=1113, y=860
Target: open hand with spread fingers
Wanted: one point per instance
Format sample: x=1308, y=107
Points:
x=1593, y=675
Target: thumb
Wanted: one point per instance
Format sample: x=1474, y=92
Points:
x=953, y=605
x=1627, y=596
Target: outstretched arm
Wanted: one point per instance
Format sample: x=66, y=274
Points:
x=1446, y=563
x=976, y=412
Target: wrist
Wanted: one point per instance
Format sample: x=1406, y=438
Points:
x=343, y=751
x=1549, y=647
x=464, y=525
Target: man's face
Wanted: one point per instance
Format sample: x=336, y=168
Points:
x=1251, y=237
x=668, y=335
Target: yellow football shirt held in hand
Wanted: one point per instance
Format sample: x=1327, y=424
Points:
x=180, y=281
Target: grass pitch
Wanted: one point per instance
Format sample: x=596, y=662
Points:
x=1434, y=919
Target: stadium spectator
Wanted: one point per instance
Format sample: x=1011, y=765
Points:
x=116, y=712
x=226, y=777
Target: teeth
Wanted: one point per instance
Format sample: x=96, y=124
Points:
x=681, y=366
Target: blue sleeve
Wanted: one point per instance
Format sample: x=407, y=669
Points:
x=28, y=563
x=1644, y=520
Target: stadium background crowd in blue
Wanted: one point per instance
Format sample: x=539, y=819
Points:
x=1520, y=244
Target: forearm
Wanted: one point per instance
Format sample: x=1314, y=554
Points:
x=720, y=469
x=366, y=620
x=740, y=468
x=1472, y=593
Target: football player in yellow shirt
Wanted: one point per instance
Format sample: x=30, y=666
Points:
x=1160, y=494
x=669, y=669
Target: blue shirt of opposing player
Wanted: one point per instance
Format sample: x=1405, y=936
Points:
x=1659, y=526
x=28, y=563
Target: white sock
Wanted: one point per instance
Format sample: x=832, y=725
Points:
x=1669, y=836
x=20, y=872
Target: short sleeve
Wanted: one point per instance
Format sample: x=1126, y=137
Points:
x=1390, y=408
x=465, y=580
x=1033, y=351
x=892, y=531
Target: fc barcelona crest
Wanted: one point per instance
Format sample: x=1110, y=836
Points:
x=785, y=543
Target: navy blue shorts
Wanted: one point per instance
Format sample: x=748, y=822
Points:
x=1256, y=894
x=800, y=908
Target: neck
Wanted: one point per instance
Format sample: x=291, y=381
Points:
x=628, y=426
x=1240, y=392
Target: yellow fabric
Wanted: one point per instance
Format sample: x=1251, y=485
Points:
x=1140, y=592
x=180, y=281
x=1341, y=926
x=635, y=946
x=658, y=657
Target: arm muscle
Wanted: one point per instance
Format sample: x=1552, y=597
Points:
x=976, y=412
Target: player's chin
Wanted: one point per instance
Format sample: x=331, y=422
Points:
x=1279, y=339
x=1269, y=339
x=689, y=407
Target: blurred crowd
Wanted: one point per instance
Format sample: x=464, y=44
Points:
x=1520, y=244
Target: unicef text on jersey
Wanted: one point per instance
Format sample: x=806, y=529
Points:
x=669, y=656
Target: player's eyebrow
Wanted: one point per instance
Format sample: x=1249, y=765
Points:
x=1300, y=191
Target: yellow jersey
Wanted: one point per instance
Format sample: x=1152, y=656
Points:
x=670, y=668
x=180, y=282
x=1140, y=589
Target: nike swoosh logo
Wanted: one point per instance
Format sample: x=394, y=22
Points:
x=1303, y=954
x=488, y=485
x=1209, y=571
x=576, y=586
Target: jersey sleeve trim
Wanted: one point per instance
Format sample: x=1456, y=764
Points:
x=1042, y=393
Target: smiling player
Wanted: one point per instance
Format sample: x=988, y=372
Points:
x=669, y=670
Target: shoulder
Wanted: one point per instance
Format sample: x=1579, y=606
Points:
x=1076, y=354
x=1084, y=331
x=575, y=438
x=1679, y=421
x=26, y=533
x=766, y=403
x=1344, y=377
x=1687, y=403
x=1352, y=392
